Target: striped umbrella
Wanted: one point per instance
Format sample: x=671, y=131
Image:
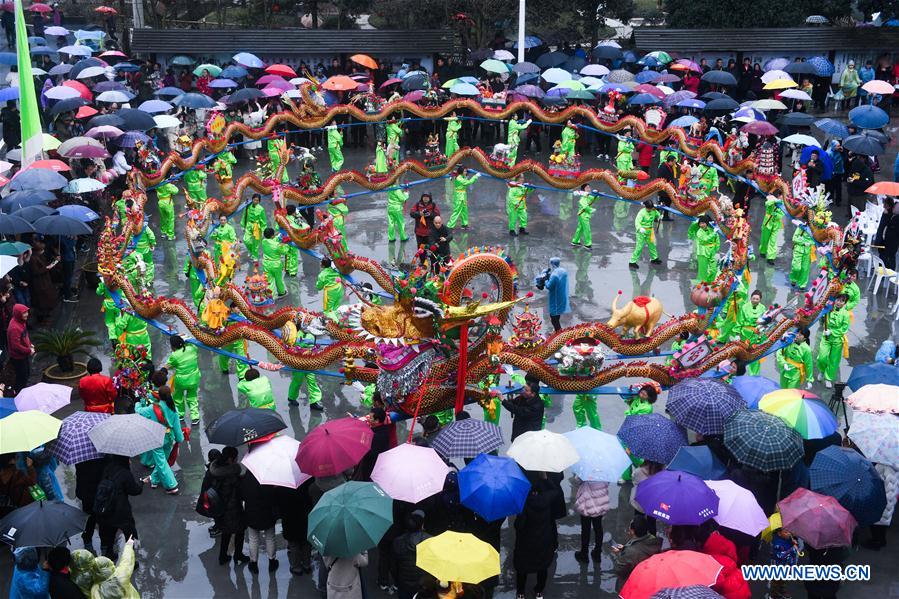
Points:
x=703, y=405
x=802, y=411
x=652, y=437
x=762, y=441
x=877, y=436
x=851, y=479
x=73, y=446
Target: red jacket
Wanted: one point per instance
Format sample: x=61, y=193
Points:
x=644, y=155
x=98, y=393
x=731, y=583
x=424, y=215
x=17, y=341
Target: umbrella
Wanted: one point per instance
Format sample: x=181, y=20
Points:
x=873, y=397
x=465, y=89
x=619, y=76
x=762, y=441
x=169, y=92
x=75, y=50
x=551, y=59
x=642, y=99
x=877, y=436
x=236, y=427
x=703, y=404
x=719, y=78
x=78, y=212
x=73, y=446
x=694, y=591
x=530, y=41
x=114, y=96
x=700, y=461
x=873, y=374
x=493, y=487
x=245, y=95
x=56, y=30
x=126, y=67
x=530, y=91
x=222, y=83
x=88, y=72
x=127, y=435
x=391, y=81
x=800, y=68
x=556, y=75
x=14, y=225
x=37, y=178
x=652, y=437
x=768, y=104
x=887, y=188
x=43, y=397
x=25, y=198
x=61, y=92
x=868, y=116
x=757, y=127
x=678, y=96
x=166, y=121
x=594, y=70
x=410, y=473
x=360, y=59
x=722, y=103
x=104, y=132
x=770, y=76
x=737, y=508
x=273, y=463
x=7, y=405
x=457, y=557
x=85, y=112
x=492, y=65
x=467, y=438
x=212, y=69
x=543, y=451
x=340, y=83
x=607, y=52
x=610, y=87
x=13, y=248
x=780, y=84
x=335, y=446
x=676, y=498
x=684, y=64
x=194, y=100
x=23, y=431
x=131, y=139
x=250, y=61
x=349, y=519
x=106, y=120
x=776, y=64
x=802, y=411
x=153, y=106
x=31, y=214
x=796, y=119
x=850, y=478
x=267, y=79
x=523, y=68
x=67, y=105
x=414, y=96
x=41, y=51
x=818, y=519
x=602, y=458
x=581, y=94
x=647, y=77
x=684, y=121
x=42, y=524
x=800, y=139
x=136, y=120
x=233, y=72
x=183, y=61
x=863, y=144
x=822, y=66
x=752, y=388
x=9, y=93
x=60, y=69
x=85, y=151
x=796, y=94
x=670, y=569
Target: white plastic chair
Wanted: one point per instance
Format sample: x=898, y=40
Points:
x=881, y=272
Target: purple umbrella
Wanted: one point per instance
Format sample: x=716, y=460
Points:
x=677, y=498
x=759, y=127
x=222, y=83
x=130, y=139
x=776, y=64
x=668, y=78
x=558, y=92
x=87, y=151
x=154, y=106
x=44, y=397
x=529, y=91
x=110, y=86
x=73, y=446
x=652, y=437
x=414, y=96
x=678, y=96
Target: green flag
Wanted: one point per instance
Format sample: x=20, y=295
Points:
x=32, y=136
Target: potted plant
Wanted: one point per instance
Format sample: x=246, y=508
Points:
x=63, y=345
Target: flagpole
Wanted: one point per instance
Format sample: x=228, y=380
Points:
x=521, y=6
x=29, y=117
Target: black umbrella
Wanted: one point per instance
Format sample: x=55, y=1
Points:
x=42, y=524
x=61, y=225
x=863, y=144
x=237, y=427
x=14, y=225
x=800, y=68
x=574, y=64
x=551, y=59
x=607, y=52
x=796, y=119
x=714, y=96
x=24, y=198
x=136, y=120
x=417, y=80
x=722, y=104
x=719, y=78
x=480, y=54
x=110, y=120
x=83, y=64
x=67, y=105
x=245, y=95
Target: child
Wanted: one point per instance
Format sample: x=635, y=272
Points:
x=784, y=551
x=644, y=225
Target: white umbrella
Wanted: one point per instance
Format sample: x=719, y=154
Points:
x=668, y=90
x=595, y=70
x=410, y=473
x=775, y=75
x=43, y=397
x=556, y=75
x=802, y=140
x=503, y=55
x=591, y=81
x=543, y=451
x=274, y=463
x=877, y=436
x=91, y=72
x=113, y=96
x=298, y=81
x=166, y=121
x=767, y=104
x=7, y=263
x=796, y=94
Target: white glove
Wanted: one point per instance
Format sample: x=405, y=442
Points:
x=827, y=333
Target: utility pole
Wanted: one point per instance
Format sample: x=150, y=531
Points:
x=521, y=7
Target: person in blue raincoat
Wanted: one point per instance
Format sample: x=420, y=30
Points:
x=45, y=468
x=164, y=412
x=29, y=580
x=555, y=280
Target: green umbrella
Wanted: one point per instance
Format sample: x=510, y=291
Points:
x=495, y=66
x=214, y=70
x=13, y=248
x=580, y=94
x=350, y=519
x=572, y=85
x=662, y=56
x=450, y=83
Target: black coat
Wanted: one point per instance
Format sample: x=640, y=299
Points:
x=527, y=414
x=443, y=247
x=226, y=482
x=536, y=535
x=126, y=485
x=294, y=506
x=407, y=575
x=87, y=476
x=62, y=587
x=258, y=503
x=862, y=178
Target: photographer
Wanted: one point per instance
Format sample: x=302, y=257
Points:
x=555, y=280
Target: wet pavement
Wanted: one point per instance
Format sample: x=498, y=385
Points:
x=178, y=558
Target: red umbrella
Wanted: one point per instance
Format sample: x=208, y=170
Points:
x=335, y=446
x=819, y=519
x=340, y=83
x=887, y=188
x=759, y=128
x=40, y=7
x=671, y=569
x=281, y=69
x=391, y=81
x=106, y=10
x=85, y=112
x=55, y=165
x=645, y=88
x=80, y=88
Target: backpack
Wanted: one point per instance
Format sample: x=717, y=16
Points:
x=209, y=503
x=105, y=499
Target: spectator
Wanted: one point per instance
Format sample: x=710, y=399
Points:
x=832, y=556
x=96, y=389
x=640, y=545
x=88, y=475
x=67, y=259
x=294, y=506
x=225, y=473
x=557, y=286
x=591, y=503
x=114, y=580
x=29, y=581
x=111, y=504
x=14, y=483
x=527, y=408
x=344, y=576
x=19, y=345
x=730, y=584
x=439, y=239
x=60, y=584
x=423, y=212
x=259, y=516
x=536, y=534
x=406, y=573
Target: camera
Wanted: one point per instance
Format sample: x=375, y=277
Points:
x=542, y=278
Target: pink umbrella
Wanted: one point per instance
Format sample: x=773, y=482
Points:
x=759, y=128
x=269, y=79
x=335, y=446
x=280, y=84
x=737, y=508
x=43, y=397
x=40, y=7
x=645, y=88
x=272, y=92
x=819, y=519
x=104, y=132
x=686, y=64
x=110, y=53
x=273, y=463
x=391, y=81
x=876, y=86
x=86, y=151
x=414, y=96
x=410, y=473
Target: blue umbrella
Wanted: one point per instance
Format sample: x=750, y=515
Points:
x=752, y=388
x=692, y=103
x=616, y=87
x=14, y=225
x=675, y=497
x=602, y=458
x=698, y=460
x=721, y=104
x=37, y=40
x=192, y=100
x=796, y=119
x=85, y=185
x=127, y=67
x=9, y=93
x=233, y=71
x=83, y=64
x=169, y=91
x=875, y=373
x=61, y=225
x=607, y=52
x=678, y=96
x=32, y=213
x=135, y=120
x=77, y=212
x=107, y=86
x=526, y=77
x=557, y=91
x=525, y=67
x=850, y=478
x=652, y=437
x=719, y=78
x=42, y=51
x=183, y=61
x=833, y=127
x=250, y=61
x=823, y=67
x=867, y=116
x=465, y=89
x=60, y=69
x=8, y=58
x=649, y=61
x=154, y=106
x=747, y=111
x=863, y=144
x=25, y=198
x=37, y=178
x=222, y=83
x=647, y=77
x=493, y=487
x=823, y=157
x=684, y=121
x=530, y=41
x=130, y=139
x=643, y=99
x=7, y=406
x=245, y=95
x=468, y=79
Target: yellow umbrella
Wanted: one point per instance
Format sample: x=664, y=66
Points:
x=780, y=84
x=50, y=143
x=457, y=557
x=23, y=431
x=774, y=522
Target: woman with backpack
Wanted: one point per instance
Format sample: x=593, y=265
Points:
x=164, y=412
x=260, y=517
x=225, y=504
x=112, y=507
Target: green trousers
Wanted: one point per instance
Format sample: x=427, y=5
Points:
x=150, y=272
x=799, y=269
x=162, y=473
x=396, y=224
x=754, y=368
x=336, y=156
x=292, y=262
x=313, y=391
x=513, y=154
x=830, y=353
x=584, y=408
x=518, y=216
x=188, y=395
x=768, y=242
x=238, y=349
x=460, y=212
x=252, y=244
x=583, y=234
x=706, y=269
x=275, y=274
x=167, y=220
x=644, y=240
